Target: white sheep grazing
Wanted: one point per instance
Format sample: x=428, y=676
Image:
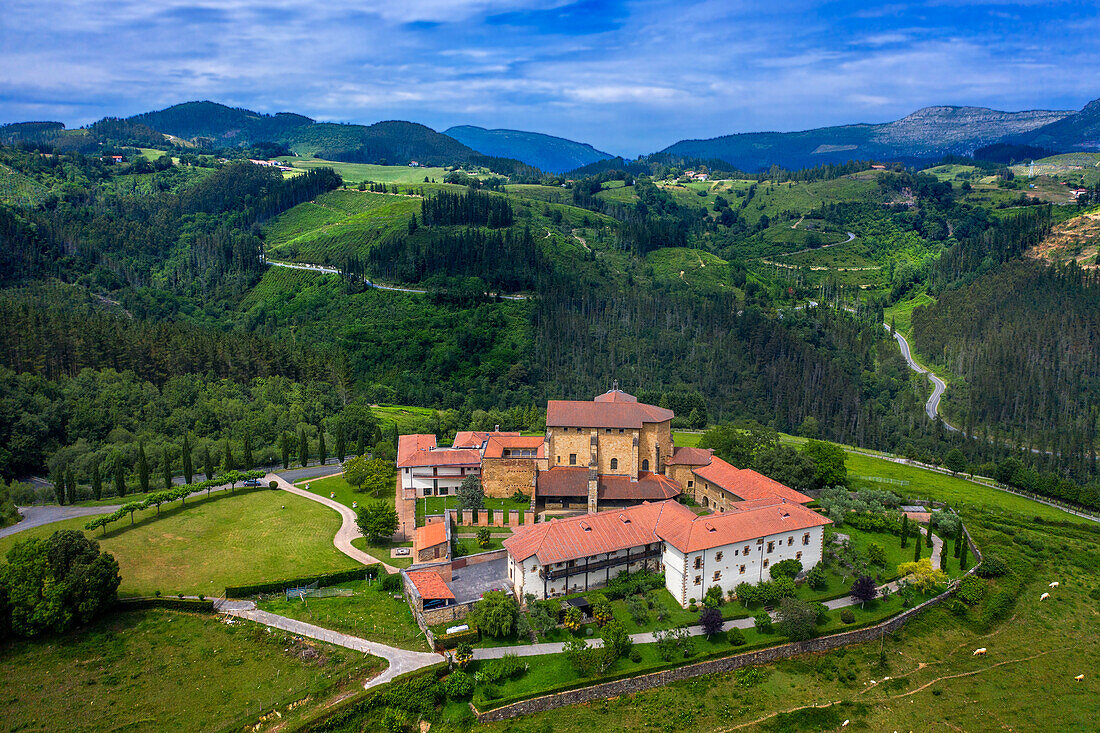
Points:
x=1044, y=596
x=1054, y=584
x=1079, y=677
x=844, y=724
x=979, y=652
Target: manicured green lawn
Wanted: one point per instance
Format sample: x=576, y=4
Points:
x=469, y=545
x=369, y=614
x=686, y=438
x=161, y=670
x=437, y=504
x=381, y=550
x=211, y=543
x=355, y=172
x=344, y=492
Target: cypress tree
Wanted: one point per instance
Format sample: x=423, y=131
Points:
x=188, y=468
x=227, y=458
x=167, y=469
x=362, y=440
x=395, y=436
x=928, y=534
x=958, y=539
x=341, y=444
x=322, y=449
x=120, y=481
x=143, y=469
x=70, y=486
x=58, y=481
x=97, y=482
x=303, y=447
x=916, y=546
x=962, y=554
x=208, y=462
x=284, y=448
x=247, y=457
x=904, y=530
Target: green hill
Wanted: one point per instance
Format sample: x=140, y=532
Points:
x=546, y=152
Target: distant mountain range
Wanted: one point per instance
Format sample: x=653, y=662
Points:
x=925, y=135
x=928, y=133
x=549, y=153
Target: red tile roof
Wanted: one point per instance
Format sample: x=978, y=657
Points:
x=568, y=539
x=430, y=585
x=685, y=456
x=565, y=481
x=617, y=529
x=497, y=444
x=581, y=414
x=431, y=535
x=746, y=484
x=420, y=450
x=739, y=525
x=615, y=395
x=475, y=438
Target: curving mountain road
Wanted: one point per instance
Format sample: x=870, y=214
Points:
x=932, y=406
x=377, y=286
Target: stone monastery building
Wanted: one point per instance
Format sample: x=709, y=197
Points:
x=614, y=459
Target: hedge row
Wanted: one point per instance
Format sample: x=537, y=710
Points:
x=323, y=579
x=179, y=604
x=417, y=692
x=180, y=493
x=450, y=641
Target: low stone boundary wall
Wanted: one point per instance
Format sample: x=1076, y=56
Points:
x=467, y=560
x=502, y=518
x=725, y=664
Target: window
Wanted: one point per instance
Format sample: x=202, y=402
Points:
x=698, y=562
x=736, y=553
x=645, y=464
x=742, y=569
x=717, y=575
x=747, y=549
x=559, y=459
x=614, y=464
x=698, y=580
x=621, y=431
x=790, y=541
x=443, y=491
x=435, y=471
x=607, y=430
x=798, y=556
x=572, y=459
x=806, y=538
x=435, y=483
x=718, y=557
x=691, y=483
x=765, y=562
x=771, y=547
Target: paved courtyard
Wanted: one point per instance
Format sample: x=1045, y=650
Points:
x=470, y=583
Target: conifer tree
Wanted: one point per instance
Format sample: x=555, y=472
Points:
x=167, y=469
x=341, y=444
x=246, y=456
x=120, y=480
x=904, y=530
x=97, y=482
x=322, y=450
x=188, y=468
x=962, y=554
x=958, y=540
x=227, y=457
x=928, y=535
x=207, y=462
x=303, y=447
x=143, y=469
x=916, y=546
x=70, y=486
x=284, y=449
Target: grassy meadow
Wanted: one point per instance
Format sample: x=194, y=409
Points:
x=214, y=542
x=356, y=172
x=163, y=670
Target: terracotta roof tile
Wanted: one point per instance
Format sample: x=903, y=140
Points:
x=498, y=443
x=740, y=525
x=431, y=535
x=686, y=456
x=408, y=445
x=745, y=483
x=430, y=585
x=442, y=457
x=475, y=438
x=564, y=481
x=615, y=395
x=578, y=413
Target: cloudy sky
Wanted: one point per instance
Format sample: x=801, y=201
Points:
x=628, y=77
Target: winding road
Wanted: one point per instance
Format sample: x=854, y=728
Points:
x=932, y=406
x=378, y=286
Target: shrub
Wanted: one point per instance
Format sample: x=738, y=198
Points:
x=692, y=606
x=711, y=621
x=507, y=667
x=391, y=583
x=797, y=619
x=735, y=636
x=847, y=616
x=573, y=620
x=638, y=610
x=876, y=555
x=714, y=596
x=816, y=578
x=970, y=590
x=784, y=588
x=273, y=485
x=464, y=652
x=763, y=622
x=483, y=538
x=495, y=614
x=992, y=566
x=630, y=584
x=747, y=594
x=459, y=685
x=786, y=569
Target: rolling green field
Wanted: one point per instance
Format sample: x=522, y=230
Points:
x=225, y=540
x=19, y=190
x=695, y=268
x=356, y=172
x=162, y=670
x=368, y=614
x=901, y=313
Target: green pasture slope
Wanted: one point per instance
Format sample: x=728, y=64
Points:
x=358, y=172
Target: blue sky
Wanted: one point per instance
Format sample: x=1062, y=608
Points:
x=627, y=77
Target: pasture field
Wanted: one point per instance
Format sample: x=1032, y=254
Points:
x=1072, y=167
x=696, y=268
x=161, y=670
x=843, y=256
x=800, y=198
x=550, y=194
x=368, y=614
x=357, y=172
x=902, y=312
x=211, y=543
x=17, y=189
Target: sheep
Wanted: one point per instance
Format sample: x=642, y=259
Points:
x=1054, y=584
x=979, y=652
x=1079, y=677
x=1044, y=596
x=844, y=724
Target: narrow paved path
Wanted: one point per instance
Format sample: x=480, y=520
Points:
x=349, y=528
x=932, y=406
x=36, y=516
x=400, y=660
x=379, y=286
